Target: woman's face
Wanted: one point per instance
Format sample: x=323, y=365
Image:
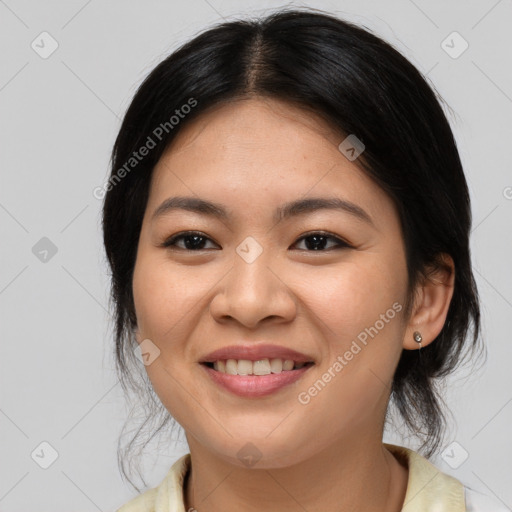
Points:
x=254, y=278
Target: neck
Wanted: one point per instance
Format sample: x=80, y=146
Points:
x=348, y=476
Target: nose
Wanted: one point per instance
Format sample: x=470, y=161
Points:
x=253, y=293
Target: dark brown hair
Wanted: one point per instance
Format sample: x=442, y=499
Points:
x=361, y=85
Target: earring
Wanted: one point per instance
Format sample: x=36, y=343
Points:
x=418, y=338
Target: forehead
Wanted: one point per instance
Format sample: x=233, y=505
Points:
x=261, y=151
x=253, y=120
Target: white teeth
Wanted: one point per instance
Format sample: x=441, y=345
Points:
x=288, y=365
x=244, y=367
x=276, y=365
x=261, y=367
x=232, y=367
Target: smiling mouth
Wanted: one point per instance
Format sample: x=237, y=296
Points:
x=256, y=368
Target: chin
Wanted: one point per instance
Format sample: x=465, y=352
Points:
x=262, y=453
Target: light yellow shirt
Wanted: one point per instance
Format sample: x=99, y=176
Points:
x=428, y=489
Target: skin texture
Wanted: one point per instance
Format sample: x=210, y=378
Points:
x=252, y=156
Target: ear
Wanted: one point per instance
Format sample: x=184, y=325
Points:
x=432, y=301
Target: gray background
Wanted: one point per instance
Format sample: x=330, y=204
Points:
x=59, y=118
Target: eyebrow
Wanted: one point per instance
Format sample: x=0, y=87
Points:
x=286, y=211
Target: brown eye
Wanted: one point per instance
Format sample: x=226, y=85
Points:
x=193, y=241
x=318, y=240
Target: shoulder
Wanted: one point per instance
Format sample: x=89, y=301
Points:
x=166, y=496
x=478, y=502
x=145, y=502
x=430, y=489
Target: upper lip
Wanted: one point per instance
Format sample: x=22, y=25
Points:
x=253, y=352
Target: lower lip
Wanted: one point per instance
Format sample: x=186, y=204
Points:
x=255, y=385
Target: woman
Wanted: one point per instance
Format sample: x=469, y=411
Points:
x=287, y=223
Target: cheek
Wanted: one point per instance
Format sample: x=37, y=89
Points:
x=163, y=295
x=353, y=296
x=359, y=309
x=164, y=299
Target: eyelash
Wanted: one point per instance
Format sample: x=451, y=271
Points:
x=171, y=242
